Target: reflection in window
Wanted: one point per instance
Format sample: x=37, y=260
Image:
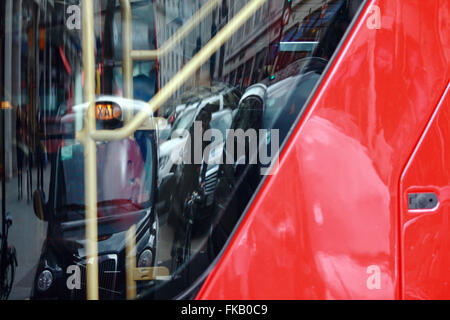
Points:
x=183, y=211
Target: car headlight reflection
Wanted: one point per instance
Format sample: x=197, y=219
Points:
x=145, y=259
x=45, y=280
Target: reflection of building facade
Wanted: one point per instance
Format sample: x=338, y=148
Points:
x=35, y=43
x=253, y=48
x=170, y=16
x=238, y=51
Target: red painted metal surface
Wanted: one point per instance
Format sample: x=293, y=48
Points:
x=425, y=234
x=329, y=219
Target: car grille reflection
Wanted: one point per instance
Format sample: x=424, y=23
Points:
x=108, y=276
x=210, y=183
x=210, y=187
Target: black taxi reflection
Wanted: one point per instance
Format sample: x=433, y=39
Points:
x=126, y=173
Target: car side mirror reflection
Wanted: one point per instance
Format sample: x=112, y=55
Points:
x=164, y=134
x=39, y=205
x=178, y=133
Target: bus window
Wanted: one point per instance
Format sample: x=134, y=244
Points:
x=160, y=204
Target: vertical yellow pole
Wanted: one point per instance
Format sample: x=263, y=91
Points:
x=127, y=79
x=90, y=170
x=130, y=255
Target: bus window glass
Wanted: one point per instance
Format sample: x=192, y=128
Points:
x=154, y=187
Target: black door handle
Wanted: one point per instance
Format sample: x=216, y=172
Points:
x=422, y=201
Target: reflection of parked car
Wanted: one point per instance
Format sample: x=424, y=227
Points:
x=261, y=107
x=177, y=112
x=126, y=178
x=183, y=116
x=220, y=121
x=194, y=178
x=171, y=152
x=187, y=108
x=229, y=97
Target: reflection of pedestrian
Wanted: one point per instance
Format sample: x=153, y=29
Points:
x=212, y=61
x=20, y=152
x=41, y=155
x=197, y=49
x=188, y=185
x=28, y=135
x=191, y=170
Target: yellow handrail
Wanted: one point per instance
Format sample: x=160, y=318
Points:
x=89, y=134
x=130, y=262
x=90, y=157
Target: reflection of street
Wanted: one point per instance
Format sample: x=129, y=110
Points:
x=27, y=235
